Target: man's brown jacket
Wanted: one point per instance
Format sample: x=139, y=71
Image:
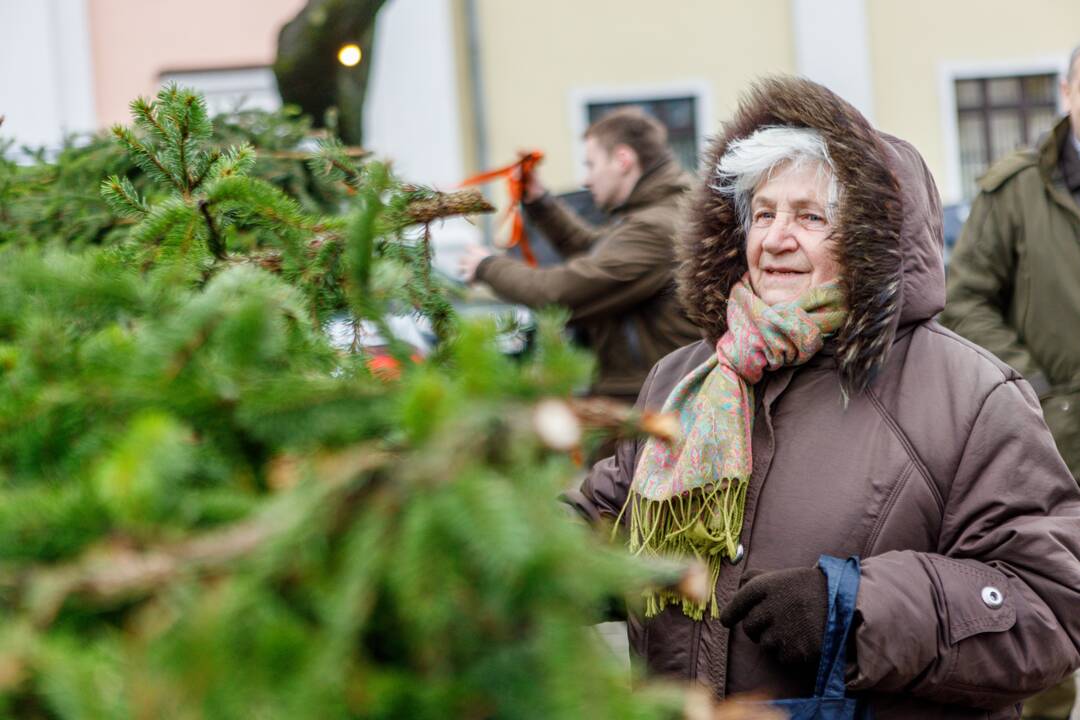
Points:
x=617, y=281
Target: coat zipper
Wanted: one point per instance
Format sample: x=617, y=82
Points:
x=695, y=644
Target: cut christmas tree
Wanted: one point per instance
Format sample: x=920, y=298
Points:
x=209, y=510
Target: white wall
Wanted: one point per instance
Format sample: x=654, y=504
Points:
x=832, y=48
x=46, y=86
x=412, y=114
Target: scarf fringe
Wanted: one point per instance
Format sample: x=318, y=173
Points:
x=703, y=524
x=715, y=406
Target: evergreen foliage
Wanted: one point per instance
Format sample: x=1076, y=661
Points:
x=56, y=199
x=206, y=510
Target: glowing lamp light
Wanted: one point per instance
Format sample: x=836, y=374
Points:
x=349, y=55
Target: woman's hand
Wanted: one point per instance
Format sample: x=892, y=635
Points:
x=783, y=611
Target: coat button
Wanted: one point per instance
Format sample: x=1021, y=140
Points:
x=1065, y=406
x=992, y=597
x=740, y=551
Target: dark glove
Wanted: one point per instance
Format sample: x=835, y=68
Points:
x=783, y=611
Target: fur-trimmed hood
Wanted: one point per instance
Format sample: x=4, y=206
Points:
x=889, y=227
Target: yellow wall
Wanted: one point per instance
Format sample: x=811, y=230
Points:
x=911, y=40
x=534, y=54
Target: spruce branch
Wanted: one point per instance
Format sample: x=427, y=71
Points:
x=440, y=312
x=360, y=244
x=560, y=423
x=123, y=198
x=258, y=201
x=273, y=260
x=145, y=158
x=207, y=162
x=106, y=575
x=125, y=573
x=350, y=151
x=184, y=128
x=184, y=355
x=214, y=241
x=334, y=161
x=143, y=110
x=183, y=241
x=427, y=208
x=160, y=220
x=624, y=421
x=234, y=162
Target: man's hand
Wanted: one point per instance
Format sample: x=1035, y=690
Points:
x=472, y=256
x=783, y=611
x=534, y=189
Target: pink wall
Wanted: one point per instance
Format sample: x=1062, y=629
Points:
x=133, y=41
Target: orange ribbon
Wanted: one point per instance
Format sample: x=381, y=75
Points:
x=517, y=179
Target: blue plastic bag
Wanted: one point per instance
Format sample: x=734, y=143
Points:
x=830, y=701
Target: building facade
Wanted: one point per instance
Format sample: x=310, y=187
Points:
x=460, y=85
x=965, y=81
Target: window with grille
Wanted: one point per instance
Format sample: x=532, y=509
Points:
x=679, y=116
x=997, y=115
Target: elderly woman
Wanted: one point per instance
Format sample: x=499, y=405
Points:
x=827, y=413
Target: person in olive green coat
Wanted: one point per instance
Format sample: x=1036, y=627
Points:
x=1014, y=288
x=1014, y=278
x=618, y=280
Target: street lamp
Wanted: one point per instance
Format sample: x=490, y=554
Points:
x=349, y=55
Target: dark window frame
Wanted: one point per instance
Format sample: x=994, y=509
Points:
x=1025, y=107
x=659, y=107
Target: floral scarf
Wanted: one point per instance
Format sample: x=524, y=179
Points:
x=687, y=497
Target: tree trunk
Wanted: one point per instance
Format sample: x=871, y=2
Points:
x=307, y=69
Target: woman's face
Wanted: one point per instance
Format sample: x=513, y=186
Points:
x=789, y=243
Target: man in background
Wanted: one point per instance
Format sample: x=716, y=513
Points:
x=617, y=280
x=1014, y=288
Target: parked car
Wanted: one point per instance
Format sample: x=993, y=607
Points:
x=954, y=217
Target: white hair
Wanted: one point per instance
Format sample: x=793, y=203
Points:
x=751, y=160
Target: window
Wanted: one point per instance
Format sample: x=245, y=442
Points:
x=230, y=89
x=678, y=114
x=997, y=115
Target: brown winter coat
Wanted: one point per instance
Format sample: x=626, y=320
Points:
x=1014, y=280
x=940, y=474
x=618, y=281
